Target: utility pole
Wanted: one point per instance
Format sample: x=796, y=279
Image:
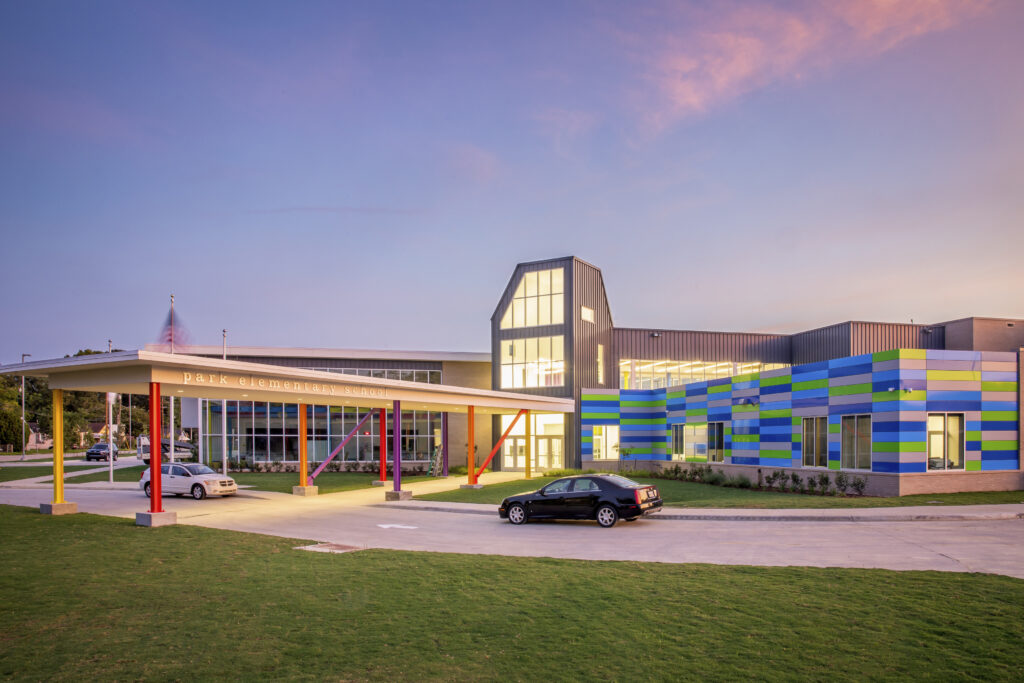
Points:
x=23, y=357
x=110, y=344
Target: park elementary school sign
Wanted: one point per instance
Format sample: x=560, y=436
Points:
x=279, y=384
x=182, y=375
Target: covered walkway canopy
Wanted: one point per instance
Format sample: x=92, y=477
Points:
x=158, y=374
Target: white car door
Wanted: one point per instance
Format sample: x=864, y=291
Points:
x=177, y=481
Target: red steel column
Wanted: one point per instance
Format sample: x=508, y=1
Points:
x=155, y=490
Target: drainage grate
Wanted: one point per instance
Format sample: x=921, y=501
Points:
x=329, y=548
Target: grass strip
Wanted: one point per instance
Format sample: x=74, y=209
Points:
x=90, y=598
x=686, y=494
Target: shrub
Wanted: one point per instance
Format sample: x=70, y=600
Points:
x=824, y=483
x=842, y=482
x=811, y=482
x=739, y=482
x=797, y=483
x=457, y=469
x=714, y=478
x=858, y=485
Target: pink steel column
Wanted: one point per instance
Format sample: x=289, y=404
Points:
x=383, y=434
x=155, y=504
x=396, y=412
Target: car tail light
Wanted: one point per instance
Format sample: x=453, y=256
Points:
x=636, y=494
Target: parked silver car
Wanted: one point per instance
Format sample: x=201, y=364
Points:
x=192, y=479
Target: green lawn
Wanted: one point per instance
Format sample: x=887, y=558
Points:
x=89, y=598
x=124, y=474
x=328, y=482
x=690, y=495
x=13, y=473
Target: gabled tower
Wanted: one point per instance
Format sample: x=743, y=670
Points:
x=551, y=334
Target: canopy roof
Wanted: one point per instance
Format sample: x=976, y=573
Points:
x=198, y=377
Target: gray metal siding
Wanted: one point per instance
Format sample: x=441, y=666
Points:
x=821, y=344
x=866, y=337
x=693, y=345
x=499, y=335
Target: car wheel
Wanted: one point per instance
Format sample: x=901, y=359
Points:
x=517, y=513
x=115, y=458
x=146, y=487
x=198, y=492
x=607, y=516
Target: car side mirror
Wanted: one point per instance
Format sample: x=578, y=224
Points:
x=543, y=492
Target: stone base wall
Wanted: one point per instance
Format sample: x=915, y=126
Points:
x=878, y=483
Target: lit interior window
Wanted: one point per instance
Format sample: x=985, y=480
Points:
x=539, y=299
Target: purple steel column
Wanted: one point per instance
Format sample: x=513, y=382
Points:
x=396, y=418
x=444, y=444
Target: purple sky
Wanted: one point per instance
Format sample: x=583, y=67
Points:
x=367, y=174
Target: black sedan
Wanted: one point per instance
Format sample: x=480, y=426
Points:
x=99, y=451
x=604, y=497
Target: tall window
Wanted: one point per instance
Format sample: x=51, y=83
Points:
x=600, y=363
x=656, y=374
x=855, y=451
x=587, y=314
x=533, y=362
x=716, y=441
x=538, y=300
x=945, y=441
x=815, y=444
x=690, y=443
x=606, y=442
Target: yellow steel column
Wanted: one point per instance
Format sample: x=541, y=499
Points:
x=58, y=446
x=529, y=442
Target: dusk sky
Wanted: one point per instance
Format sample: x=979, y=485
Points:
x=367, y=175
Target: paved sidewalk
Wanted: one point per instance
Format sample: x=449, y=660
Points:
x=947, y=513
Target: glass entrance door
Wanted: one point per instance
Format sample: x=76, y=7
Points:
x=547, y=452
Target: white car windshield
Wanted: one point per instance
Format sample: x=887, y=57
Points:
x=199, y=469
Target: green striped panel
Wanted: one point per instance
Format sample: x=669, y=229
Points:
x=781, y=412
x=775, y=381
x=696, y=412
x=999, y=386
x=973, y=465
x=676, y=394
x=834, y=429
x=898, y=395
x=600, y=416
x=746, y=438
x=642, y=404
x=914, y=354
x=719, y=389
x=776, y=454
x=599, y=397
x=1001, y=415
x=998, y=445
x=745, y=408
x=850, y=389
x=810, y=384
x=973, y=436
x=898, y=446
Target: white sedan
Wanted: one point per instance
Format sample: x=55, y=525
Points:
x=198, y=481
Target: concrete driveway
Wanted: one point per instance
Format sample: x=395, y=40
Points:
x=362, y=520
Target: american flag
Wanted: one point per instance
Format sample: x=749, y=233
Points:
x=174, y=335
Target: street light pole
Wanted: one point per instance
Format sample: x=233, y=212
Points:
x=23, y=357
x=224, y=411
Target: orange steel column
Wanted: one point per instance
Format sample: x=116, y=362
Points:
x=303, y=474
x=529, y=444
x=471, y=455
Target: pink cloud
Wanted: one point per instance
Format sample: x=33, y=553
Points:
x=703, y=61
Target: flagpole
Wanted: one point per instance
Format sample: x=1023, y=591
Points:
x=172, y=325
x=224, y=411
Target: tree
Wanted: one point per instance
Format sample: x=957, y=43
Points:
x=10, y=427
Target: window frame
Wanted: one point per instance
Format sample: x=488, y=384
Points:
x=857, y=419
x=817, y=421
x=945, y=442
x=716, y=435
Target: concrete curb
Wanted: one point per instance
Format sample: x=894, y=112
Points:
x=756, y=517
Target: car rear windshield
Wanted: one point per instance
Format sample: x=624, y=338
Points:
x=622, y=481
x=199, y=469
